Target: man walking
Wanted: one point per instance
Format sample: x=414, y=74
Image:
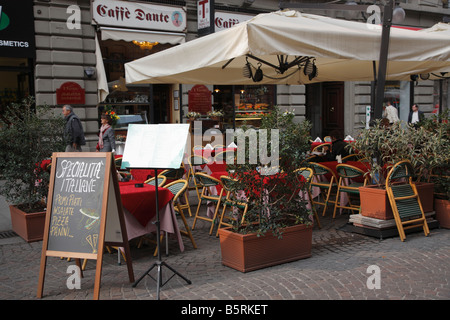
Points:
x=391, y=113
x=73, y=131
x=415, y=115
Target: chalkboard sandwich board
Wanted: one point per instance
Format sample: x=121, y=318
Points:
x=84, y=211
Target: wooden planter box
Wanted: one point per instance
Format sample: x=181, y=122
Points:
x=375, y=201
x=249, y=252
x=442, y=209
x=29, y=226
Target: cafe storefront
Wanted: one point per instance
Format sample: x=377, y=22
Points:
x=128, y=31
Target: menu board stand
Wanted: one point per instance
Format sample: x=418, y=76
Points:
x=156, y=146
x=84, y=212
x=159, y=264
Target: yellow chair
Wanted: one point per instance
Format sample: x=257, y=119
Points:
x=206, y=182
x=327, y=139
x=307, y=174
x=404, y=199
x=232, y=202
x=195, y=160
x=345, y=184
x=177, y=174
x=326, y=187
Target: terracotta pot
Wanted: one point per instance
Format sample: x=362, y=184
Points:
x=442, y=209
x=375, y=201
x=249, y=252
x=29, y=226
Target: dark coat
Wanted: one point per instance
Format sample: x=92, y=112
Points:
x=73, y=130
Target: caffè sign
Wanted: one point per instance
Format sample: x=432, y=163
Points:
x=138, y=15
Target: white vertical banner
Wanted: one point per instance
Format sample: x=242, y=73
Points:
x=367, y=116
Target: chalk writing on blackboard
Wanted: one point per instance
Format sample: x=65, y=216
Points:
x=77, y=204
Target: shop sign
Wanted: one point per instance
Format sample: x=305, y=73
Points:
x=225, y=20
x=17, y=29
x=205, y=17
x=200, y=99
x=127, y=14
x=70, y=93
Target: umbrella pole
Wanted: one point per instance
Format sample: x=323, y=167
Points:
x=387, y=22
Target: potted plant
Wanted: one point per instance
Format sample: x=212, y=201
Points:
x=29, y=134
x=278, y=226
x=215, y=115
x=192, y=115
x=440, y=172
x=383, y=146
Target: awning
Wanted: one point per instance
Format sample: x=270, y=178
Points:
x=142, y=35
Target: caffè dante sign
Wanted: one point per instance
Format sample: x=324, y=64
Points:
x=138, y=15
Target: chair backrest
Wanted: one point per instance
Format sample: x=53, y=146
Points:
x=173, y=174
x=306, y=173
x=320, y=147
x=177, y=188
x=327, y=139
x=161, y=181
x=118, y=162
x=321, y=170
x=226, y=181
x=401, y=170
x=205, y=180
x=348, y=171
x=197, y=160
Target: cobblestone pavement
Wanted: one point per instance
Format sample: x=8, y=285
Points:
x=416, y=269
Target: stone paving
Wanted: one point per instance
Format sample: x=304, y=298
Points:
x=417, y=269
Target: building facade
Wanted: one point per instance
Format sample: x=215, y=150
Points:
x=74, y=51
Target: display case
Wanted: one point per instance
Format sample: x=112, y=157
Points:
x=252, y=102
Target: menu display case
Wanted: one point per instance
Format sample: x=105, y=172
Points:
x=252, y=102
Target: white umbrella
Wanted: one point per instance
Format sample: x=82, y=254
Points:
x=341, y=51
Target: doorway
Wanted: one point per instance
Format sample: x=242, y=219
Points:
x=332, y=107
x=161, y=103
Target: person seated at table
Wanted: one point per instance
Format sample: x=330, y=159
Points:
x=338, y=148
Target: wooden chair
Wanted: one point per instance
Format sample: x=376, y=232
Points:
x=161, y=181
x=307, y=174
x=232, y=202
x=195, y=160
x=345, y=184
x=326, y=187
x=177, y=188
x=206, y=182
x=404, y=199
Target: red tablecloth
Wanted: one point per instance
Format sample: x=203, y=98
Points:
x=141, y=175
x=141, y=202
x=214, y=166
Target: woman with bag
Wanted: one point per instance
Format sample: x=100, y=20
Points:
x=106, y=140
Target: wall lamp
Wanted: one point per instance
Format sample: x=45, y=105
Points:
x=89, y=72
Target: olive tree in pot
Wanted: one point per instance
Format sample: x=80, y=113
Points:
x=383, y=146
x=28, y=135
x=278, y=225
x=440, y=172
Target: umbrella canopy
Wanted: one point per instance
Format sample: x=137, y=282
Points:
x=290, y=47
